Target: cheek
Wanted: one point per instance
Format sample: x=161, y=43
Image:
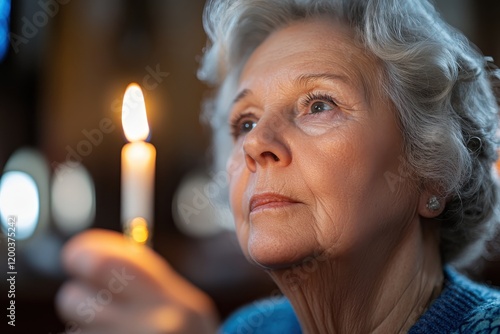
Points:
x=238, y=180
x=327, y=174
x=238, y=183
x=352, y=199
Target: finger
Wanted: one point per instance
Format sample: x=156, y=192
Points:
x=70, y=302
x=81, y=304
x=84, y=310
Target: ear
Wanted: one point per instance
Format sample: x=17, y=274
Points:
x=431, y=204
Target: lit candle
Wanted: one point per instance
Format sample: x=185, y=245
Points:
x=138, y=168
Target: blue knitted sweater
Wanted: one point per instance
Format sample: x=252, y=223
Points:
x=463, y=307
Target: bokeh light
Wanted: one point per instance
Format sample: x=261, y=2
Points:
x=196, y=207
x=73, y=198
x=4, y=27
x=139, y=230
x=34, y=164
x=19, y=204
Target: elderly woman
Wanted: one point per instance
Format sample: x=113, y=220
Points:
x=361, y=171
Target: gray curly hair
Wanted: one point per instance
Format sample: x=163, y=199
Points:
x=445, y=92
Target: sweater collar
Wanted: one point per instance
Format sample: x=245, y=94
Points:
x=459, y=297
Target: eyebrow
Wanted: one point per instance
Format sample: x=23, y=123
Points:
x=241, y=95
x=302, y=80
x=305, y=79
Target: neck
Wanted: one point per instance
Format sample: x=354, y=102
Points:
x=359, y=294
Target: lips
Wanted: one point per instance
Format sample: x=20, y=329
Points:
x=268, y=201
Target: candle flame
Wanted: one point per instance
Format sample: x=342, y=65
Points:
x=134, y=117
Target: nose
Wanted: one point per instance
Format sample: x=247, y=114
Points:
x=265, y=144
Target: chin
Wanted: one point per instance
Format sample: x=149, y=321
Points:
x=277, y=250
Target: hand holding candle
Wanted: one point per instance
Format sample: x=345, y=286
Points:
x=138, y=168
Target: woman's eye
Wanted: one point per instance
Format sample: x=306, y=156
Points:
x=242, y=126
x=247, y=126
x=319, y=106
x=316, y=103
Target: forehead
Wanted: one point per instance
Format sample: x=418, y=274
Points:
x=313, y=46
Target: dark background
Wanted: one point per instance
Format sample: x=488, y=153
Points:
x=70, y=75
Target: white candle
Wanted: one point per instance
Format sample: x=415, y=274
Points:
x=138, y=168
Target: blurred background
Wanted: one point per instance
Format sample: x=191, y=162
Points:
x=64, y=66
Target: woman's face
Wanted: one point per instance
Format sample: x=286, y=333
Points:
x=317, y=161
